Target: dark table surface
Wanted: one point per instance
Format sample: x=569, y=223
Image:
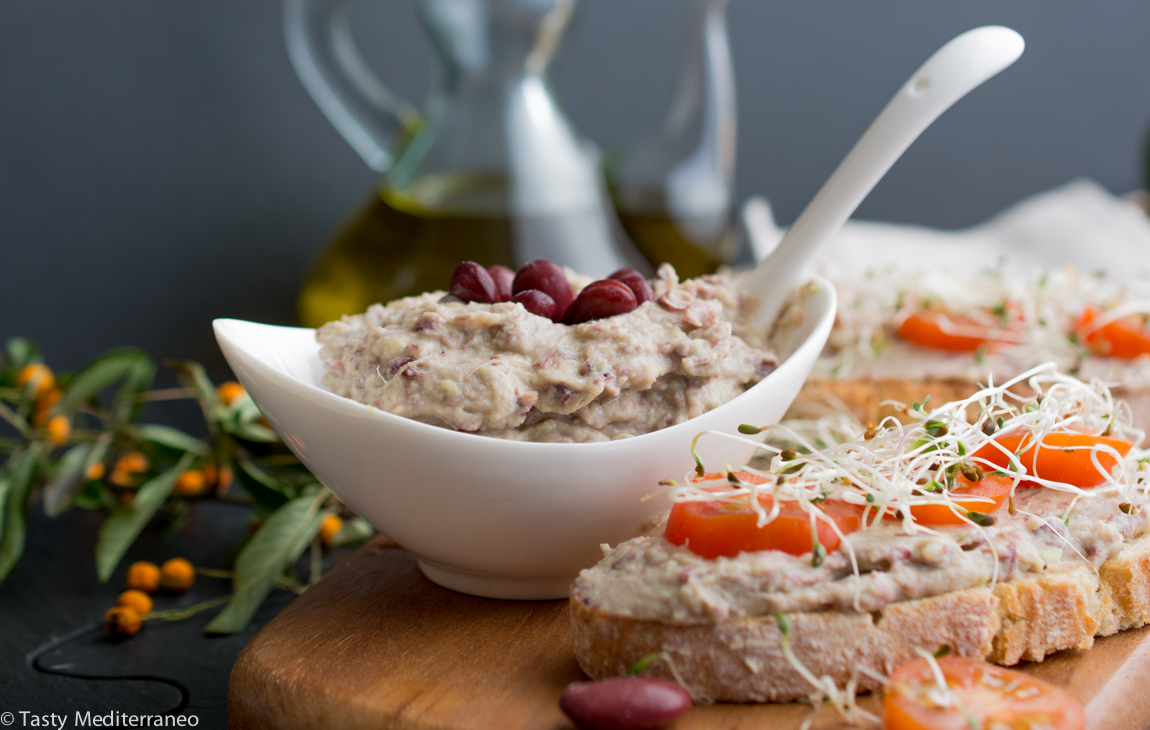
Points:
x=51, y=607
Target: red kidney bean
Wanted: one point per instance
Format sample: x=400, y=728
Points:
x=471, y=283
x=547, y=278
x=624, y=703
x=638, y=284
x=600, y=299
x=502, y=276
x=537, y=302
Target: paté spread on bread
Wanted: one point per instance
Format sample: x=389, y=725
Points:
x=925, y=328
x=652, y=579
x=1003, y=527
x=498, y=369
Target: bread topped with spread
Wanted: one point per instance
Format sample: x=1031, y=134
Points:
x=1002, y=526
x=904, y=332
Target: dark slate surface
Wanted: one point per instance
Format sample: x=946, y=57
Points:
x=54, y=592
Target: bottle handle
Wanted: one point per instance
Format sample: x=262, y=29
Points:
x=350, y=95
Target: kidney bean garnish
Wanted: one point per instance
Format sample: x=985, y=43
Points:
x=600, y=299
x=547, y=278
x=636, y=282
x=624, y=703
x=537, y=302
x=502, y=276
x=471, y=283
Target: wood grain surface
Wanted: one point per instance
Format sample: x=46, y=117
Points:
x=376, y=645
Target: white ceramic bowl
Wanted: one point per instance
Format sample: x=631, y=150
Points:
x=502, y=519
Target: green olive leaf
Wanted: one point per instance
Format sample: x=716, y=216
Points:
x=354, y=530
x=254, y=432
x=276, y=545
x=19, y=471
x=193, y=377
x=100, y=375
x=119, y=531
x=90, y=496
x=266, y=491
x=240, y=419
x=66, y=479
x=137, y=380
x=21, y=351
x=173, y=438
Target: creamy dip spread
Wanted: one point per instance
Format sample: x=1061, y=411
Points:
x=649, y=578
x=498, y=370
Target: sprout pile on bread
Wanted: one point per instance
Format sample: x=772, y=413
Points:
x=1000, y=526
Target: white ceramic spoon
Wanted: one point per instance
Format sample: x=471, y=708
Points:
x=950, y=74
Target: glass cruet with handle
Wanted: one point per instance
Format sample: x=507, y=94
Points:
x=674, y=189
x=490, y=170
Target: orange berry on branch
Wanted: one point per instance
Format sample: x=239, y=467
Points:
x=133, y=463
x=59, y=430
x=229, y=391
x=136, y=600
x=191, y=483
x=39, y=417
x=49, y=399
x=44, y=407
x=331, y=526
x=144, y=576
x=177, y=575
x=38, y=374
x=221, y=478
x=95, y=471
x=122, y=621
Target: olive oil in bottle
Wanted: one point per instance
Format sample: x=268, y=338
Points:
x=409, y=241
x=489, y=171
x=388, y=250
x=674, y=190
x=692, y=249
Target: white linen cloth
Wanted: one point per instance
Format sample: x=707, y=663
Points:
x=1079, y=223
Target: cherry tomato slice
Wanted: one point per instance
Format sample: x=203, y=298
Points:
x=994, y=487
x=713, y=529
x=1126, y=337
x=1063, y=457
x=953, y=332
x=987, y=697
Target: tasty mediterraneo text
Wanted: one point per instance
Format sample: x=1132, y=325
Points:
x=113, y=718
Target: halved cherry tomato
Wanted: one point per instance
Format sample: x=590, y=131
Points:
x=994, y=487
x=953, y=332
x=711, y=529
x=987, y=697
x=1126, y=337
x=1064, y=456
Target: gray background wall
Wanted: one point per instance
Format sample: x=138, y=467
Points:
x=160, y=165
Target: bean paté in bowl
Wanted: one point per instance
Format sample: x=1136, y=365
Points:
x=503, y=446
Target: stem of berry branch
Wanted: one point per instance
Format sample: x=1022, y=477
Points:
x=165, y=394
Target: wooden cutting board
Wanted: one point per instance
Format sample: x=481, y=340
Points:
x=376, y=645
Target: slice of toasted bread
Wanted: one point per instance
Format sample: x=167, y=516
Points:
x=742, y=660
x=863, y=398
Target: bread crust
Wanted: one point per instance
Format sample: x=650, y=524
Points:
x=741, y=659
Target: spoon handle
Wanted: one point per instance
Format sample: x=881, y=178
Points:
x=954, y=70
